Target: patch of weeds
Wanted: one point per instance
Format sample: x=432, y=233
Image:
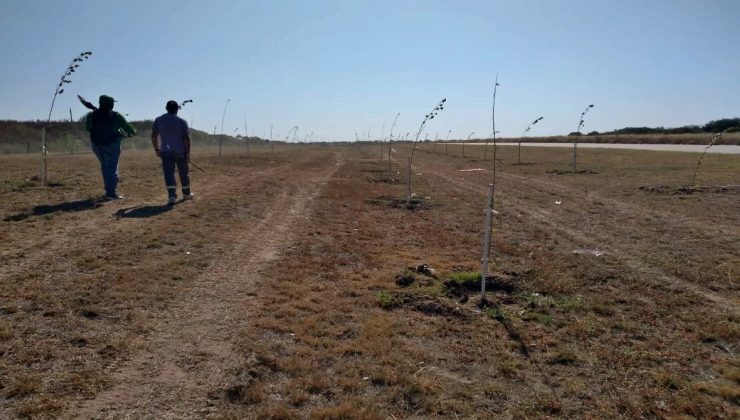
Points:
x=21, y=184
x=410, y=397
x=316, y=385
x=407, y=278
x=466, y=278
x=24, y=386
x=247, y=394
x=538, y=301
x=539, y=317
x=668, y=381
x=498, y=313
x=730, y=393
x=387, y=301
x=90, y=313
x=549, y=404
x=564, y=357
x=508, y=368
x=435, y=290
x=6, y=332
x=39, y=406
x=571, y=304
x=422, y=276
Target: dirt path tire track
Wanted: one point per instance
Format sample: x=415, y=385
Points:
x=191, y=345
x=630, y=260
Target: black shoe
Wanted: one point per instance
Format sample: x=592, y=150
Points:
x=114, y=197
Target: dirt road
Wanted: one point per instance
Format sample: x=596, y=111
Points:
x=191, y=345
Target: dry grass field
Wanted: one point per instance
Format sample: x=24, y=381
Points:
x=290, y=287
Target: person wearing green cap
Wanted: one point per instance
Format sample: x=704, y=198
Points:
x=107, y=129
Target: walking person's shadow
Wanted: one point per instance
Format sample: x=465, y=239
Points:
x=141, y=212
x=47, y=209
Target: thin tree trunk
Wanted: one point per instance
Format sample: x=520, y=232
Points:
x=486, y=242
x=575, y=155
x=43, y=155
x=408, y=184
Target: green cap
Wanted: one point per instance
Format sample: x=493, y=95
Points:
x=106, y=102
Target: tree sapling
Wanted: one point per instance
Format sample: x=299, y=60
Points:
x=581, y=123
x=64, y=80
x=427, y=117
x=526, y=130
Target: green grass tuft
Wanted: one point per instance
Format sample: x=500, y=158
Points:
x=387, y=301
x=465, y=277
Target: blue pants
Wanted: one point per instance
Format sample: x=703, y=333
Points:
x=108, y=155
x=169, y=162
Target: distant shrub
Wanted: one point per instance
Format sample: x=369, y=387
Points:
x=722, y=125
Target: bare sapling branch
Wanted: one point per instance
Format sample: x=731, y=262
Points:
x=59, y=89
x=715, y=138
x=526, y=130
x=220, y=138
x=390, y=143
x=488, y=213
x=581, y=124
x=427, y=117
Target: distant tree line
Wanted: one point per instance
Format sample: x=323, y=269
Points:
x=729, y=124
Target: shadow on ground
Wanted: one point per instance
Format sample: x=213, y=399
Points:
x=79, y=205
x=141, y=212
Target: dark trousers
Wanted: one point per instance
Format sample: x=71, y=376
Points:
x=169, y=162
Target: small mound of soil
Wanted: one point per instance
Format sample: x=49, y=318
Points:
x=374, y=171
x=400, y=203
x=565, y=172
x=384, y=180
x=507, y=282
x=430, y=306
x=421, y=274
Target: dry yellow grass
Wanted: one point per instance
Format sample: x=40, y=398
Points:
x=649, y=329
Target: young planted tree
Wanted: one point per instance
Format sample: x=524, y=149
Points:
x=526, y=130
x=447, y=139
x=427, y=117
x=467, y=140
x=581, y=123
x=246, y=136
x=221, y=137
x=390, y=143
x=712, y=142
x=64, y=80
x=487, y=222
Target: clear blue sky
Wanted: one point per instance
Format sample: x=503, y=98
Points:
x=349, y=66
